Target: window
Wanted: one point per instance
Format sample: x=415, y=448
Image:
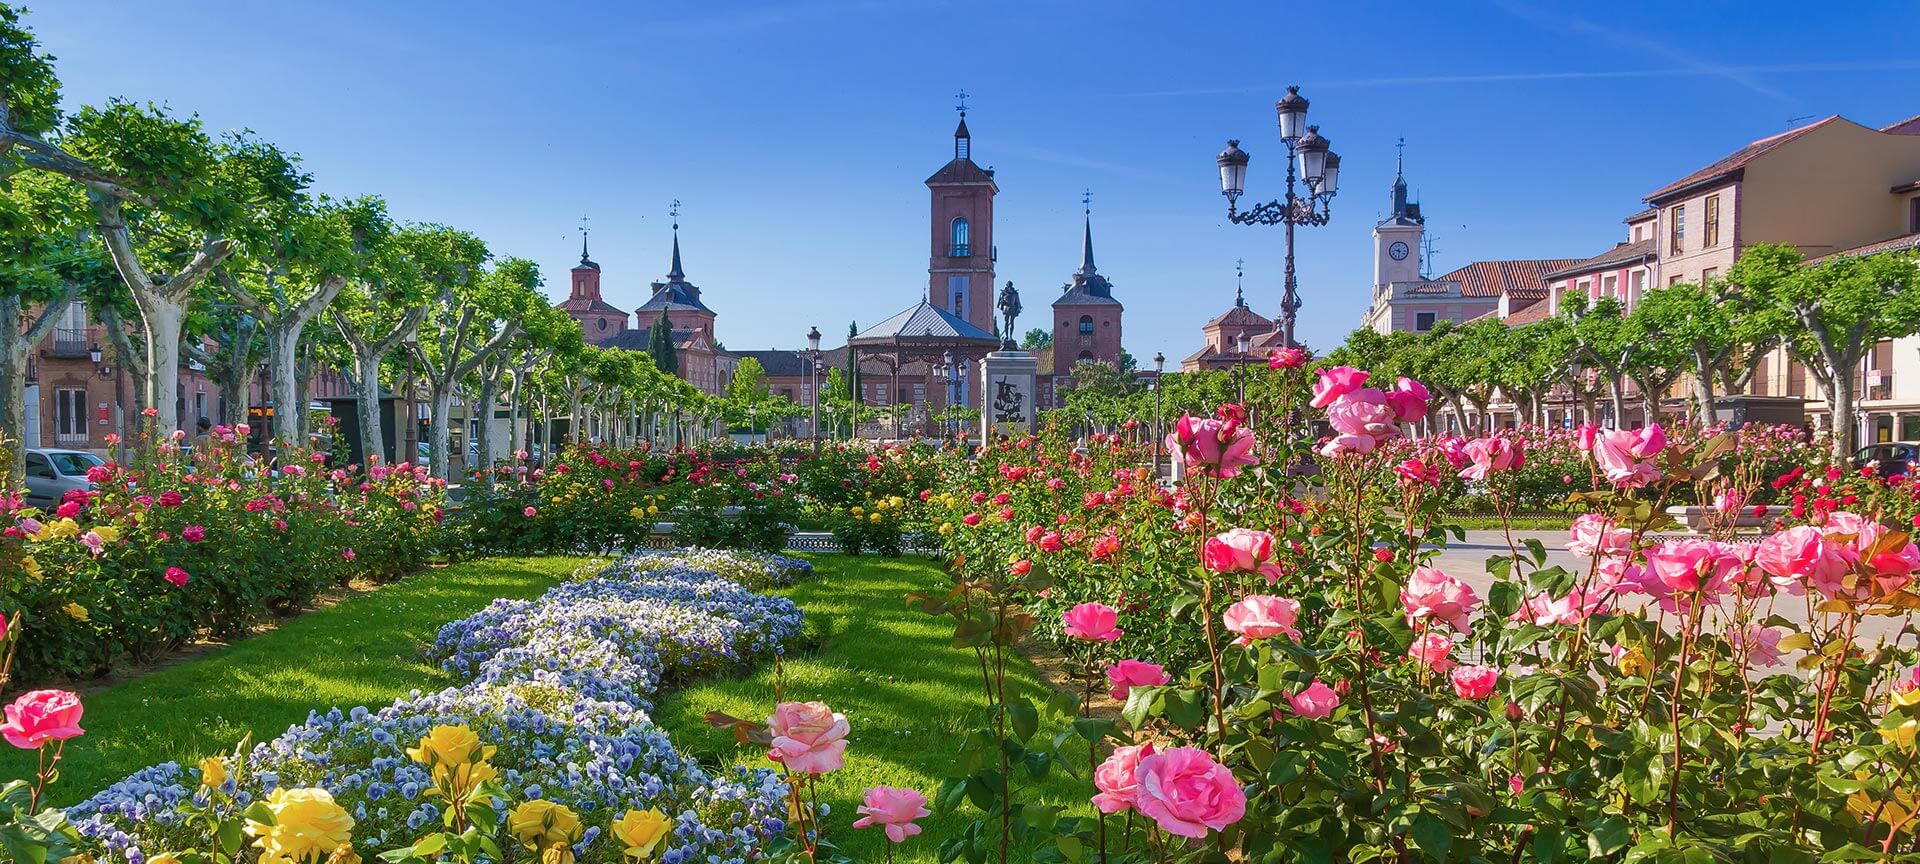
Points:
x=1673, y=280
x=603, y=325
x=1422, y=321
x=920, y=394
x=70, y=416
x=958, y=289
x=70, y=331
x=199, y=407
x=1639, y=283
x=1610, y=286
x=1086, y=323
x=1709, y=275
x=1585, y=286
x=38, y=466
x=1913, y=220
x=962, y=247
x=1712, y=227
x=1677, y=240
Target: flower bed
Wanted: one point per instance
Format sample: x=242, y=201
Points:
x=560, y=685
x=164, y=550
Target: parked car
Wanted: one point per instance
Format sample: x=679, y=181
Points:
x=1890, y=458
x=52, y=473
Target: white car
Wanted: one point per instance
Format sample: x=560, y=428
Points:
x=51, y=473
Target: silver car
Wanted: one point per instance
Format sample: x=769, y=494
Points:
x=51, y=473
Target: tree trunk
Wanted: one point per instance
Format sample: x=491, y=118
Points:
x=163, y=317
x=437, y=439
x=483, y=411
x=15, y=346
x=133, y=360
x=515, y=441
x=282, y=341
x=373, y=444
x=1619, y=398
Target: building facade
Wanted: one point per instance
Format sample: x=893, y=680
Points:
x=703, y=362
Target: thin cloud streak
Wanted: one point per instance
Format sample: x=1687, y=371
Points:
x=1619, y=38
x=1055, y=157
x=1506, y=77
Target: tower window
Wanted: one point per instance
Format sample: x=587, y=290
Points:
x=1086, y=323
x=962, y=240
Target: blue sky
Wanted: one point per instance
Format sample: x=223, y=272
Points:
x=797, y=132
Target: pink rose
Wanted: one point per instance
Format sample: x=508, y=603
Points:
x=177, y=577
x=1433, y=649
x=894, y=809
x=1315, y=702
x=1801, y=556
x=1761, y=644
x=1262, y=616
x=39, y=716
x=808, y=737
x=1094, y=622
x=193, y=533
x=1474, y=682
x=1586, y=436
x=1594, y=534
x=1128, y=674
x=1363, y=411
x=1408, y=399
x=1687, y=566
x=1430, y=593
x=1287, y=358
x=1335, y=383
x=1488, y=455
x=1240, y=550
x=1186, y=793
x=1626, y=456
x=1211, y=448
x=1118, y=778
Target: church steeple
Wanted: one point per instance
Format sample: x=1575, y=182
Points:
x=962, y=139
x=1086, y=236
x=1400, y=180
x=1239, y=276
x=674, y=273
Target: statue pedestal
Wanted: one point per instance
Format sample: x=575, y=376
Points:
x=1007, y=396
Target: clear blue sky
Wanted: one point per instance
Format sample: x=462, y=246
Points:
x=797, y=132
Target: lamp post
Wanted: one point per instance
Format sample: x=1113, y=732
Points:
x=1319, y=167
x=1159, y=435
x=813, y=382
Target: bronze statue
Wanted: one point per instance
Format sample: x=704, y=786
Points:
x=1009, y=309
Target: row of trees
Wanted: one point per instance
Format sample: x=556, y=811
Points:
x=1708, y=338
x=188, y=245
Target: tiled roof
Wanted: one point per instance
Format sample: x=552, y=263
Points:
x=922, y=322
x=961, y=171
x=779, y=363
x=582, y=304
x=1905, y=242
x=1622, y=253
x=676, y=295
x=1240, y=316
x=1737, y=160
x=1534, y=312
x=1495, y=278
x=1642, y=216
x=1909, y=126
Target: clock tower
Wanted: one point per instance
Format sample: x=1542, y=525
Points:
x=1396, y=239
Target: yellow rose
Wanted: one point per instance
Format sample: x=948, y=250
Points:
x=33, y=569
x=75, y=611
x=213, y=773
x=856, y=510
x=307, y=825
x=342, y=855
x=455, y=756
x=876, y=517
x=1907, y=698
x=1635, y=663
x=164, y=858
x=107, y=532
x=642, y=831
x=653, y=510
x=58, y=529
x=1901, y=735
x=544, y=826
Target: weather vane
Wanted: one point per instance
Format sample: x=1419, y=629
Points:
x=1086, y=201
x=583, y=227
x=962, y=106
x=674, y=211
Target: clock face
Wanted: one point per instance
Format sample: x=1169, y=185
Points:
x=1398, y=250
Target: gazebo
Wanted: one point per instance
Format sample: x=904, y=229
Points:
x=924, y=333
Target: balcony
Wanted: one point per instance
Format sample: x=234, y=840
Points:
x=70, y=342
x=70, y=439
x=960, y=250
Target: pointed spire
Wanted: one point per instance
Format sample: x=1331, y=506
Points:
x=1400, y=180
x=675, y=274
x=1239, y=274
x=962, y=139
x=1086, y=236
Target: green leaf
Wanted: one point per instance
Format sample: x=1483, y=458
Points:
x=1432, y=836
x=430, y=845
x=1607, y=836
x=1024, y=717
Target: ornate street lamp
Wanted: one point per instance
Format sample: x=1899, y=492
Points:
x=1244, y=344
x=813, y=382
x=1318, y=166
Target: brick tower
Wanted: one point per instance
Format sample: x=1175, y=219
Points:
x=960, y=265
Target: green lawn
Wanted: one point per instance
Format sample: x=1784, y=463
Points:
x=908, y=693
x=363, y=651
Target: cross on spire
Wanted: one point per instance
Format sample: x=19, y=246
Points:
x=583, y=238
x=674, y=273
x=1400, y=159
x=1239, y=273
x=1086, y=201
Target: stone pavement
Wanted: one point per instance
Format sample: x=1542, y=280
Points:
x=1467, y=561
